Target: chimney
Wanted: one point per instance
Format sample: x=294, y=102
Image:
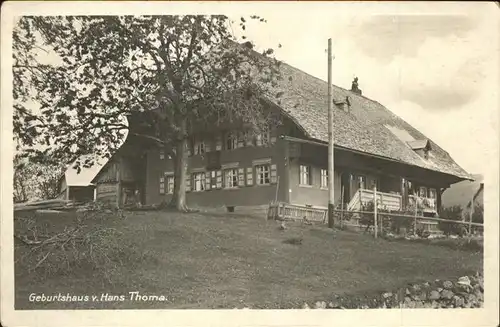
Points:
x=355, y=86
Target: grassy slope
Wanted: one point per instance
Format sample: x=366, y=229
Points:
x=223, y=261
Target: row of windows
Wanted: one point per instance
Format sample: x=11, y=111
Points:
x=305, y=177
x=232, y=140
x=230, y=178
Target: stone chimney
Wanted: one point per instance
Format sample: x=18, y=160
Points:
x=355, y=86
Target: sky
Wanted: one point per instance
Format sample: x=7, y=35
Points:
x=438, y=72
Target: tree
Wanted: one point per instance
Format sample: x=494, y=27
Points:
x=22, y=187
x=35, y=180
x=183, y=70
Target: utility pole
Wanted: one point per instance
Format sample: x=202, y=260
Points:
x=331, y=198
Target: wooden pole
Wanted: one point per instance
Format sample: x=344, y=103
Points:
x=471, y=212
x=331, y=198
x=375, y=218
x=416, y=214
x=277, y=189
x=342, y=207
x=118, y=184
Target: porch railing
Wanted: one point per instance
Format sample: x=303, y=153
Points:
x=424, y=204
x=386, y=201
x=390, y=201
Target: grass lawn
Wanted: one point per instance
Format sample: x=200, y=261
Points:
x=226, y=260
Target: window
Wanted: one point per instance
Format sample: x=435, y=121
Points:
x=324, y=178
x=411, y=188
x=199, y=181
x=170, y=184
x=231, y=141
x=263, y=138
x=199, y=147
x=263, y=174
x=247, y=138
x=432, y=193
x=305, y=175
x=162, y=154
x=162, y=185
x=422, y=192
x=231, y=178
x=362, y=182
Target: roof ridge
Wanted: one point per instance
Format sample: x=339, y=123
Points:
x=334, y=85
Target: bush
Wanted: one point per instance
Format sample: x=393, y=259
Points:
x=453, y=213
x=366, y=219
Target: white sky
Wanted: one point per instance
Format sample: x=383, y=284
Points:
x=439, y=73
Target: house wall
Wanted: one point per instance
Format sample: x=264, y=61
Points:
x=107, y=192
x=107, y=185
x=81, y=193
x=316, y=157
x=311, y=194
x=244, y=157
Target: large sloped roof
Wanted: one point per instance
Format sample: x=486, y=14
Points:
x=85, y=176
x=368, y=126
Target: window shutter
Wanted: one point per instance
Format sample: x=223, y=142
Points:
x=162, y=185
x=188, y=183
x=219, y=179
x=188, y=148
x=241, y=177
x=218, y=143
x=249, y=176
x=207, y=146
x=273, y=174
x=207, y=182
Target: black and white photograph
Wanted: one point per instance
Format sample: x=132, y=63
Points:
x=262, y=163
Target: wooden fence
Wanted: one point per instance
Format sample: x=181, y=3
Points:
x=286, y=211
x=377, y=221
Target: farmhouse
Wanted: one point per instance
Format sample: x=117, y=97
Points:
x=227, y=167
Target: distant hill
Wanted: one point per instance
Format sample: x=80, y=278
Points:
x=461, y=193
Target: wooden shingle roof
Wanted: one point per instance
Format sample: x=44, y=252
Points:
x=367, y=127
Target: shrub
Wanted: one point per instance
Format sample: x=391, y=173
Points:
x=453, y=213
x=366, y=219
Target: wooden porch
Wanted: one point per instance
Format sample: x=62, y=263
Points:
x=391, y=201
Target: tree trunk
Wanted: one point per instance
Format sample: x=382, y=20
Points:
x=178, y=201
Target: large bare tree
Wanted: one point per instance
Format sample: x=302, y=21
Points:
x=184, y=69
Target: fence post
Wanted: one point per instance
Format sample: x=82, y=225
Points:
x=415, y=219
x=375, y=209
x=342, y=207
x=471, y=213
